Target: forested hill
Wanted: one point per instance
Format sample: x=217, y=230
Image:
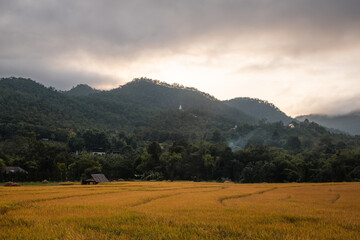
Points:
x=157, y=95
x=81, y=90
x=26, y=105
x=259, y=109
x=349, y=123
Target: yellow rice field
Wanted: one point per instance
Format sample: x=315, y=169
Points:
x=181, y=210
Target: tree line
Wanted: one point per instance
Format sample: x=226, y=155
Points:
x=127, y=158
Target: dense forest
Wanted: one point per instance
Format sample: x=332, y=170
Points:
x=139, y=131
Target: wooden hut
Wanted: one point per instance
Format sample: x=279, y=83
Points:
x=96, y=178
x=9, y=170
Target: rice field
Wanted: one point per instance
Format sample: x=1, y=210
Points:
x=181, y=210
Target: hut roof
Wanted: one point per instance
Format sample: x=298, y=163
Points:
x=14, y=170
x=99, y=178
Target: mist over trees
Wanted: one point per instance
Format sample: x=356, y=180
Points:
x=349, y=123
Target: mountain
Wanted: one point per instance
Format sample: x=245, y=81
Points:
x=148, y=109
x=81, y=90
x=157, y=95
x=145, y=105
x=349, y=123
x=259, y=109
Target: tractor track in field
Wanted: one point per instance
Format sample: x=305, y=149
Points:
x=336, y=197
x=222, y=199
x=66, y=197
x=28, y=203
x=212, y=190
x=150, y=199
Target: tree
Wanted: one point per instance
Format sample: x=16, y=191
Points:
x=86, y=164
x=76, y=144
x=2, y=166
x=216, y=137
x=293, y=143
x=209, y=164
x=154, y=149
x=152, y=161
x=62, y=169
x=172, y=163
x=95, y=140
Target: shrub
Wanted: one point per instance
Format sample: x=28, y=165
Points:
x=11, y=184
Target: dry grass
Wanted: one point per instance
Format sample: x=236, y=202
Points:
x=66, y=183
x=181, y=210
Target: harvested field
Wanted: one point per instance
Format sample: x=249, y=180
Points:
x=181, y=210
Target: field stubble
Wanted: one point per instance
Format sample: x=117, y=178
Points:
x=181, y=210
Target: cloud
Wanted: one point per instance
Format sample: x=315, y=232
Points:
x=339, y=106
x=57, y=78
x=105, y=43
x=113, y=28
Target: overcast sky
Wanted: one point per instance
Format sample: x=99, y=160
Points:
x=301, y=55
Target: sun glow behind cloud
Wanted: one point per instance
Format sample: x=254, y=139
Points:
x=296, y=84
x=301, y=55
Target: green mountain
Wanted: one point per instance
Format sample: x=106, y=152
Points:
x=147, y=108
x=259, y=109
x=349, y=123
x=141, y=104
x=81, y=90
x=155, y=95
x=29, y=106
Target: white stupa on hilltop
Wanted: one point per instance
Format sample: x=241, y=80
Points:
x=180, y=108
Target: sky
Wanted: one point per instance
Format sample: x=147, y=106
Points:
x=301, y=55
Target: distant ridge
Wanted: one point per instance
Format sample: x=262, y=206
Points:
x=259, y=109
x=349, y=123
